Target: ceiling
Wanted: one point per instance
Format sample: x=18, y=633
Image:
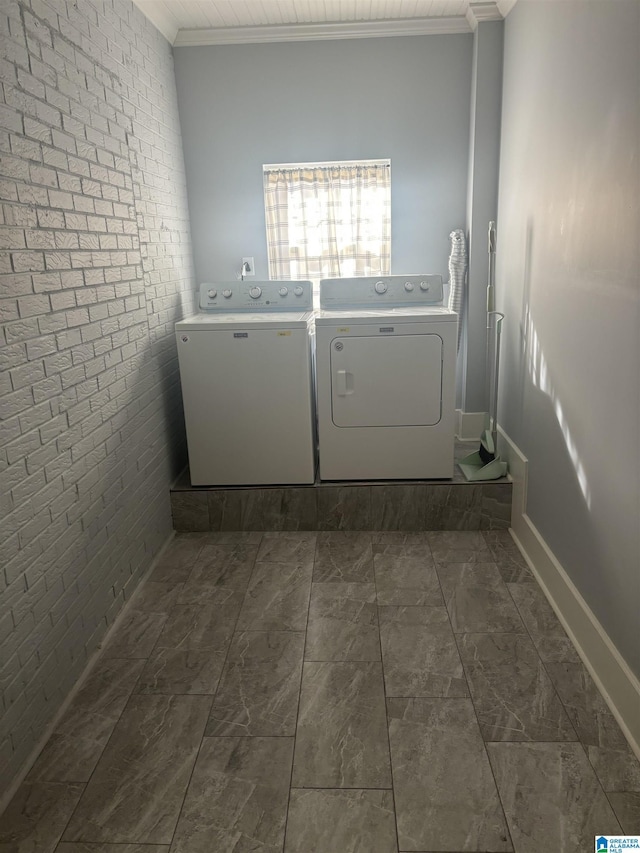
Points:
x=193, y=22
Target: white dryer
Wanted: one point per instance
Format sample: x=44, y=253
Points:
x=385, y=368
x=247, y=384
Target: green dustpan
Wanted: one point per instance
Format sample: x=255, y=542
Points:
x=483, y=464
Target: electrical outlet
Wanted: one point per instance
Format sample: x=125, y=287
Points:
x=250, y=268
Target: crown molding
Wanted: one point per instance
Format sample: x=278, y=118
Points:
x=480, y=11
x=319, y=32
x=506, y=6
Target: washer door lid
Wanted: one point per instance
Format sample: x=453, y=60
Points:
x=381, y=381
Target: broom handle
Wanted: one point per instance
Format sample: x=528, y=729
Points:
x=491, y=299
x=493, y=414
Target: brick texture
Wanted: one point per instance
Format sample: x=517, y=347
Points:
x=95, y=268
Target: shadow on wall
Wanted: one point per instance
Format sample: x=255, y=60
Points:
x=171, y=389
x=559, y=468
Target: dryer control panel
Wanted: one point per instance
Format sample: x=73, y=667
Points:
x=387, y=291
x=234, y=296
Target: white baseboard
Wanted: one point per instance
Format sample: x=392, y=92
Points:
x=8, y=795
x=518, y=468
x=470, y=425
x=617, y=683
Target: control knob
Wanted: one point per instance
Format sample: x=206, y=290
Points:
x=255, y=292
x=283, y=291
x=298, y=290
x=424, y=285
x=408, y=286
x=381, y=287
x=226, y=293
x=212, y=293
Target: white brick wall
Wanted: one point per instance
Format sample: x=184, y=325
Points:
x=95, y=268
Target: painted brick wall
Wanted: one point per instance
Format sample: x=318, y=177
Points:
x=95, y=268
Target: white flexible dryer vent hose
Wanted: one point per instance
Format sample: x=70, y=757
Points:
x=458, y=277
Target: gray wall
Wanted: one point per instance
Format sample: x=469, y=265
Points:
x=482, y=205
x=568, y=281
x=246, y=105
x=95, y=267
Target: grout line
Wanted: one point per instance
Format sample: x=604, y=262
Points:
x=470, y=699
x=213, y=697
x=386, y=710
x=295, y=736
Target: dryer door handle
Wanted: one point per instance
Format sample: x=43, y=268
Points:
x=344, y=383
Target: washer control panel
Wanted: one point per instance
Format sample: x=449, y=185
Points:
x=387, y=291
x=231, y=296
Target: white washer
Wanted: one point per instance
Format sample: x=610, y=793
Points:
x=385, y=367
x=247, y=384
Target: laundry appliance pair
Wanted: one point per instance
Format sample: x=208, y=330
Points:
x=384, y=350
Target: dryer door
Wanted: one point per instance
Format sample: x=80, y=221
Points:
x=384, y=381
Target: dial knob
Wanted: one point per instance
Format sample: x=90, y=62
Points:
x=212, y=293
x=408, y=286
x=255, y=292
x=381, y=287
x=226, y=293
x=298, y=290
x=424, y=285
x=283, y=291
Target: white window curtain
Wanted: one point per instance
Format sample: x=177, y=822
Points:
x=328, y=221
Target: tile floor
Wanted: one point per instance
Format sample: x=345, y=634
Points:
x=327, y=693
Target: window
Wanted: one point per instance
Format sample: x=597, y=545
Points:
x=328, y=220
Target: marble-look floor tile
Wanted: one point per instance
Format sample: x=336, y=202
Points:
x=207, y=591
x=547, y=633
x=36, y=817
x=181, y=671
x=341, y=739
x=269, y=509
x=344, y=508
x=348, y=821
x=477, y=599
x=259, y=689
x=220, y=567
x=507, y=557
x=343, y=556
x=455, y=540
x=154, y=597
x=398, y=507
x=551, y=796
x=137, y=789
x=277, y=598
x=237, y=797
x=406, y=580
x=512, y=693
x=495, y=505
x=204, y=626
x=395, y=543
x=343, y=622
x=615, y=764
x=87, y=847
x=287, y=547
x=234, y=537
x=176, y=561
x=135, y=636
x=190, y=511
x=419, y=653
x=445, y=795
x=458, y=546
x=626, y=806
x=73, y=750
x=453, y=507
